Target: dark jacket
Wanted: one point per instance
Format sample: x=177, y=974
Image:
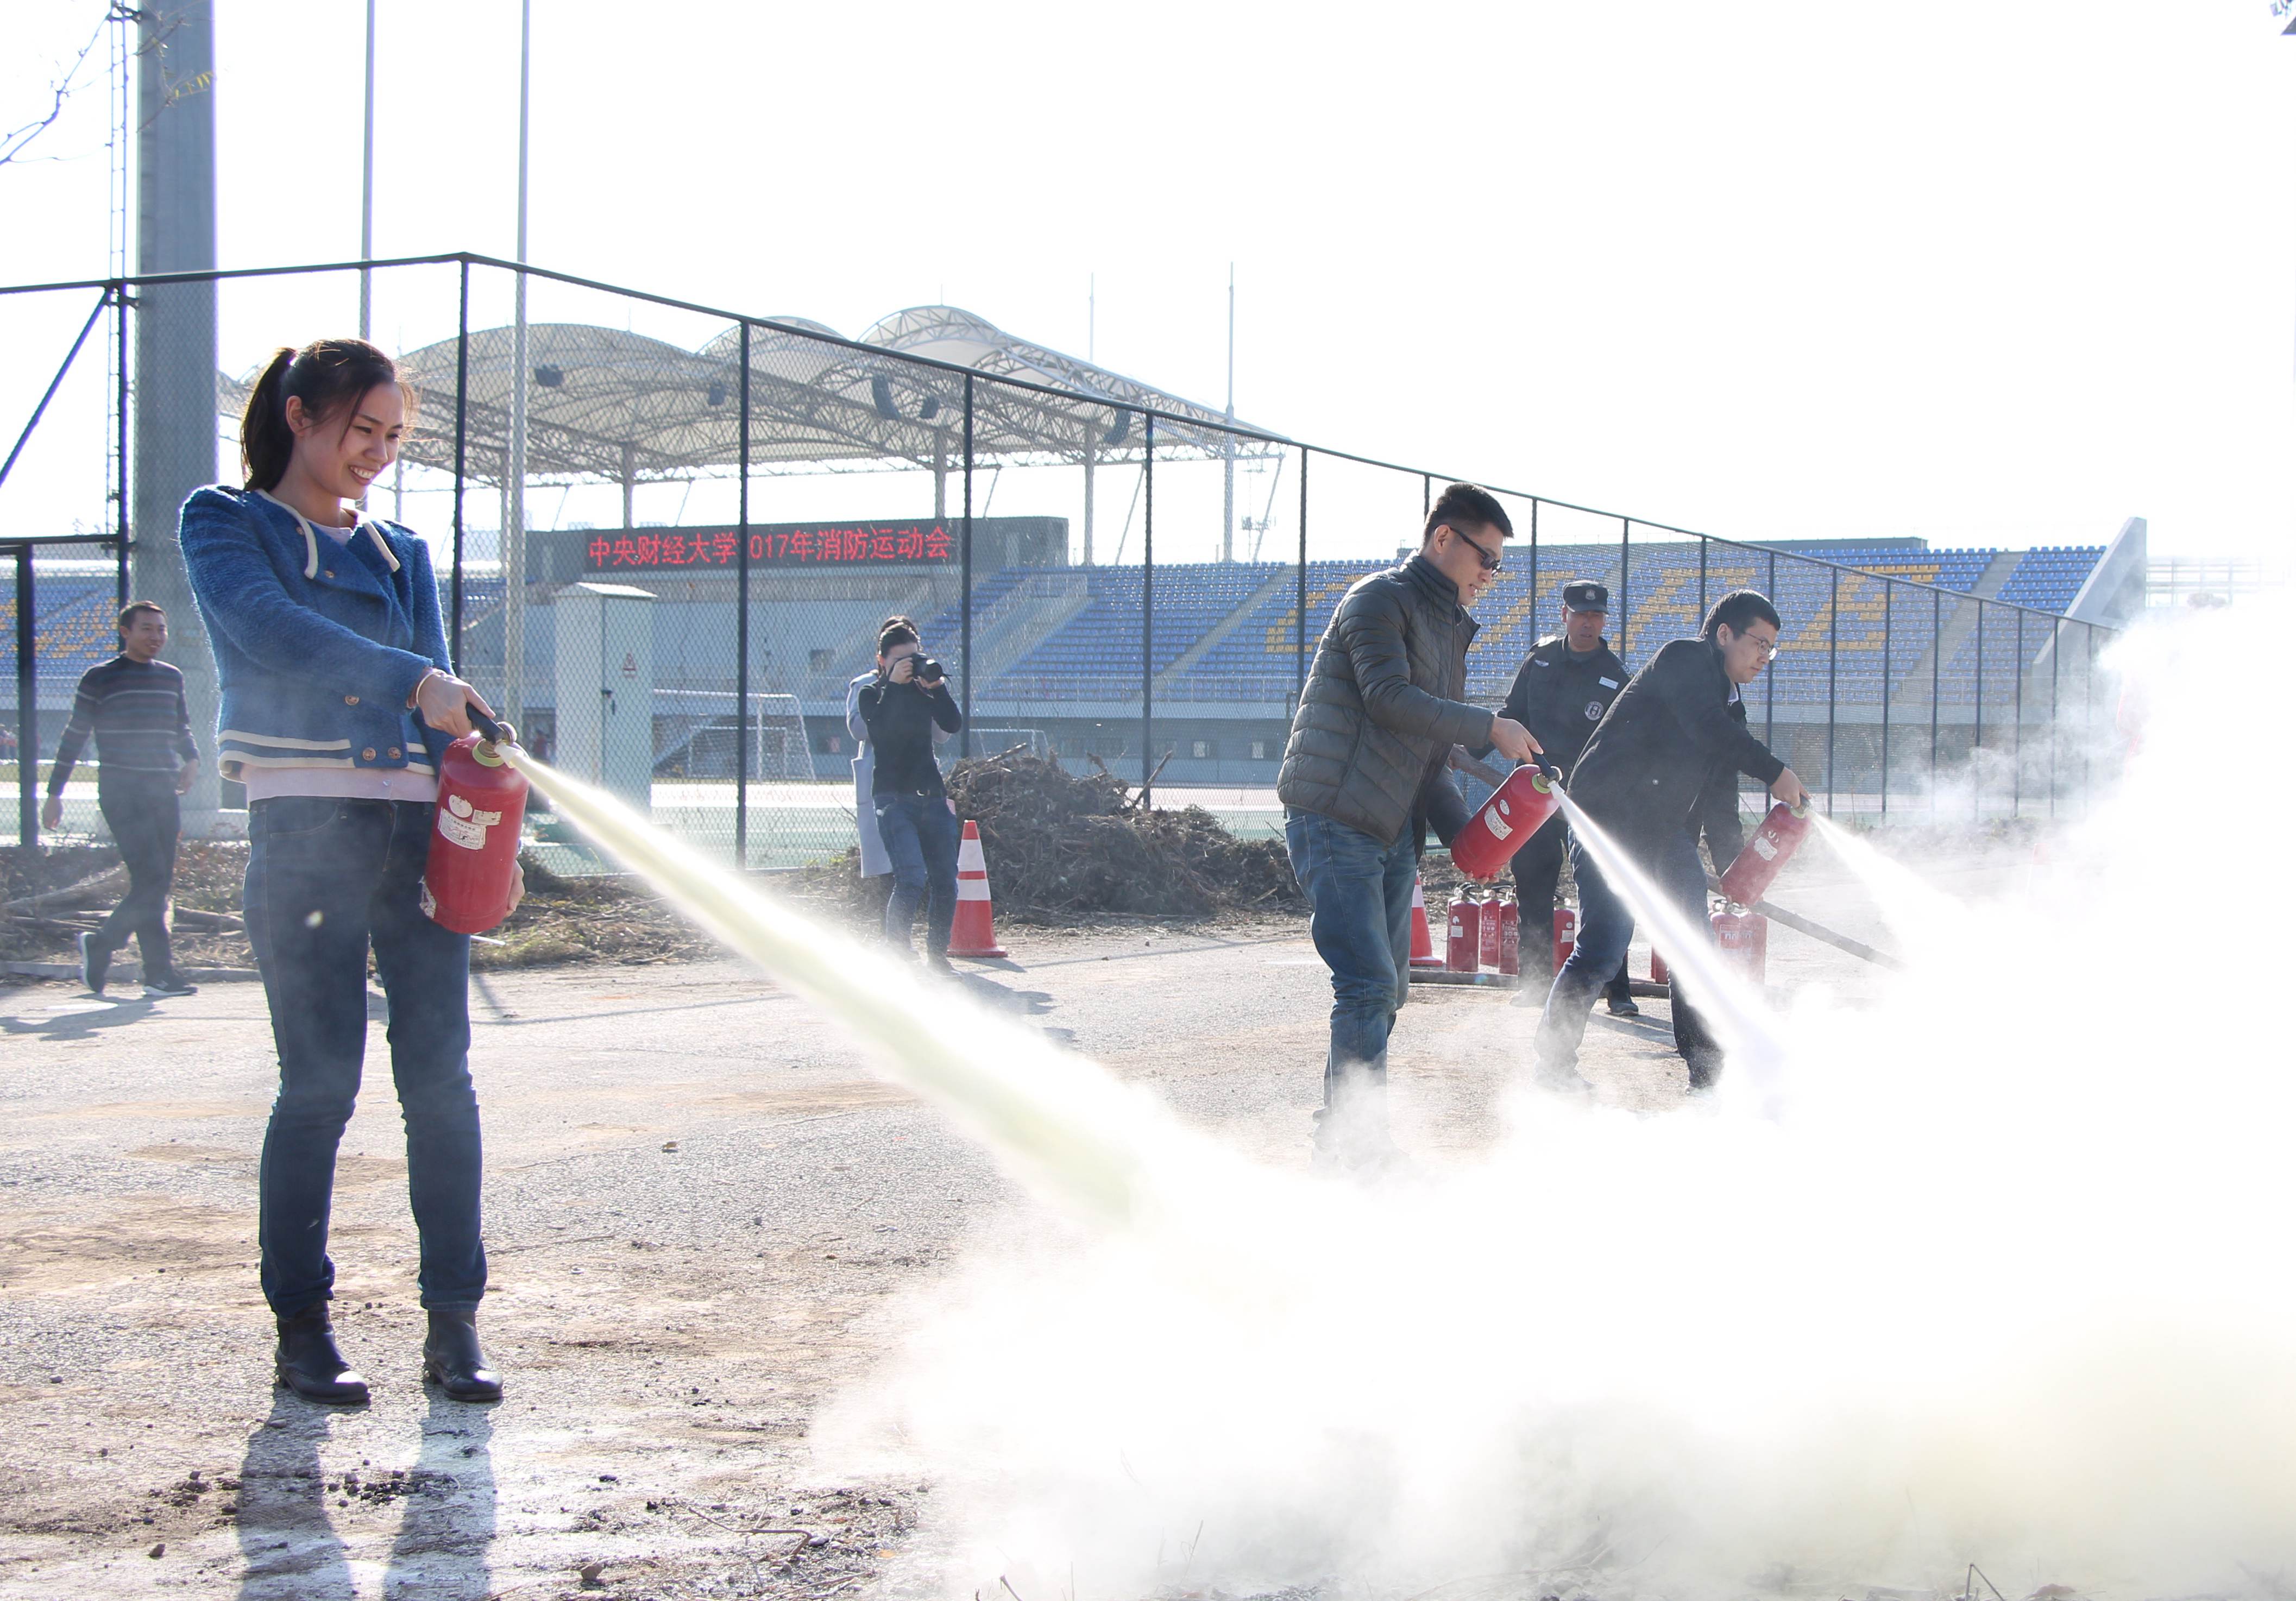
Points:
x=1383, y=705
x=1676, y=732
x=900, y=719
x=1560, y=696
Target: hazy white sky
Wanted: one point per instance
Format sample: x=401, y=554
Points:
x=2005, y=272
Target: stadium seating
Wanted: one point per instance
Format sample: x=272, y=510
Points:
x=1839, y=621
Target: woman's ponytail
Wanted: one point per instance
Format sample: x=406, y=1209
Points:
x=266, y=441
x=329, y=377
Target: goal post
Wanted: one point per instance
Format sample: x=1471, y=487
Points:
x=699, y=734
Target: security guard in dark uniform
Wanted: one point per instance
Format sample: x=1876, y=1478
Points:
x=1561, y=692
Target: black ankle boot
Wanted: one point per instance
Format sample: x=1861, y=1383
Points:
x=452, y=1357
x=309, y=1363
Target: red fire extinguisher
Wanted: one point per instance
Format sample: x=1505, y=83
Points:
x=1658, y=973
x=1516, y=810
x=473, y=860
x=1465, y=950
x=1766, y=854
x=1745, y=937
x=1566, y=934
x=1510, y=938
x=1488, y=948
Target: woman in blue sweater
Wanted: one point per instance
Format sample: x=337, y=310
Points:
x=337, y=705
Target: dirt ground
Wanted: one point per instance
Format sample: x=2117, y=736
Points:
x=700, y=1206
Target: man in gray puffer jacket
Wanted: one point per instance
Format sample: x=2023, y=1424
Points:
x=1364, y=775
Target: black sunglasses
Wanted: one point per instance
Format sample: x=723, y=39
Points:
x=1490, y=562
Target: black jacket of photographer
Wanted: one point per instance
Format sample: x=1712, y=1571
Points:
x=1560, y=696
x=1671, y=745
x=901, y=718
x=1383, y=705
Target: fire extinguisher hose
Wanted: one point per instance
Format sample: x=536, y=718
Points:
x=1816, y=931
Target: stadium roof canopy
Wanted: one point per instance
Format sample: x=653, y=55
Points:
x=605, y=404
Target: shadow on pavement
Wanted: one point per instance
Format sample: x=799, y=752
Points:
x=447, y=1529
x=83, y=1023
x=997, y=997
x=288, y=1546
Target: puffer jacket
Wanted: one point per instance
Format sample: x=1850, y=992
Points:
x=1382, y=706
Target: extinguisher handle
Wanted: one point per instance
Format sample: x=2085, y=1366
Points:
x=486, y=725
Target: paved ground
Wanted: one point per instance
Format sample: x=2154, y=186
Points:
x=699, y=1203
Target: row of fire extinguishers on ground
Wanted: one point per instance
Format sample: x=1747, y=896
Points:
x=1486, y=931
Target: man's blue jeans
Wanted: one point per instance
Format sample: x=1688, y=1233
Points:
x=326, y=879
x=1606, y=927
x=921, y=836
x=1359, y=900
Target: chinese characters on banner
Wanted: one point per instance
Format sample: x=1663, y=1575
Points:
x=772, y=545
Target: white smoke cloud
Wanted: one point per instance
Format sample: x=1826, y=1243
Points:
x=1998, y=1271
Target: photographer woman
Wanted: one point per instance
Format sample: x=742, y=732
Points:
x=909, y=699
x=337, y=706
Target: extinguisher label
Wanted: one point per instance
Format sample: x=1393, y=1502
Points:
x=464, y=826
x=1766, y=847
x=1496, y=823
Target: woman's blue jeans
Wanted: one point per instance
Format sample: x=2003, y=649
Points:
x=1359, y=902
x=326, y=879
x=921, y=836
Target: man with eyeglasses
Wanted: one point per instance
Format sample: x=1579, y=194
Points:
x=1365, y=777
x=1677, y=734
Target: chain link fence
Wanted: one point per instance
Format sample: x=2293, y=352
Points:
x=666, y=536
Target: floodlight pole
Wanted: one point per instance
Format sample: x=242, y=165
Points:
x=1227, y=440
x=512, y=543
x=366, y=190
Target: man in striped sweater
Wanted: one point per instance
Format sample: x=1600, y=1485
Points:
x=134, y=704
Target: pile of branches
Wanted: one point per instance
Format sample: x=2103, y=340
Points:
x=1064, y=845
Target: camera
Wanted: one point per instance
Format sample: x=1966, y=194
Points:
x=929, y=671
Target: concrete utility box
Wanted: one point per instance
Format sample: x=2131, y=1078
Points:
x=605, y=688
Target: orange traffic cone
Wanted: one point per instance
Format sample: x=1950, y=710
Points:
x=973, y=933
x=1422, y=942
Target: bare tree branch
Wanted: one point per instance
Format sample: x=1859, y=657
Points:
x=17, y=140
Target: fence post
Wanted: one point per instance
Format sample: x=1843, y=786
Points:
x=1148, y=611
x=1625, y=551
x=1977, y=723
x=1299, y=629
x=1426, y=498
x=741, y=636
x=2089, y=709
x=1533, y=570
x=1833, y=672
x=2017, y=740
x=1889, y=596
x=120, y=317
x=1703, y=544
x=462, y=463
x=1770, y=678
x=1937, y=678
x=965, y=574
x=2056, y=649
x=27, y=709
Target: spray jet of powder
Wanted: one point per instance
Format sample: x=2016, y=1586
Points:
x=1734, y=1010
x=2004, y=1280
